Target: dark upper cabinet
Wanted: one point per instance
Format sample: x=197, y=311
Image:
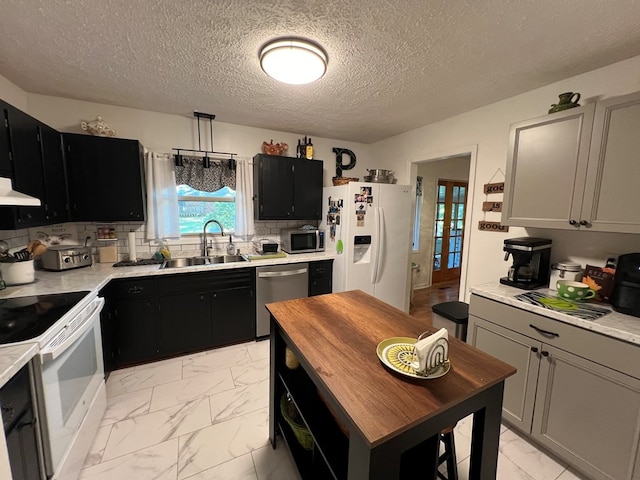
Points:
x=26, y=165
x=105, y=177
x=31, y=155
x=287, y=188
x=55, y=182
x=5, y=155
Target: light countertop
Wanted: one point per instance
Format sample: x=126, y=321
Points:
x=98, y=275
x=94, y=278
x=13, y=358
x=613, y=324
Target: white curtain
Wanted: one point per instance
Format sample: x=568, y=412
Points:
x=162, y=198
x=244, y=198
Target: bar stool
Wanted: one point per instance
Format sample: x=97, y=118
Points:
x=454, y=316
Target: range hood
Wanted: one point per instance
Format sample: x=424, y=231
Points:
x=8, y=196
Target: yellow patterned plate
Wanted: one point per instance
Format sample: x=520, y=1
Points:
x=396, y=353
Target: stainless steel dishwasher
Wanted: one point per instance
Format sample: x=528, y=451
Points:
x=275, y=284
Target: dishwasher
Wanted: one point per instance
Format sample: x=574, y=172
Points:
x=277, y=283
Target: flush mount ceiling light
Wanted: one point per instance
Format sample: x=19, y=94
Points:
x=293, y=60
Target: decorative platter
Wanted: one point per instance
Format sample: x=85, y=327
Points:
x=396, y=353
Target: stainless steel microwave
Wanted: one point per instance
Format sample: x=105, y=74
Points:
x=296, y=240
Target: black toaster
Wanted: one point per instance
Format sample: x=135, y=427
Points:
x=625, y=297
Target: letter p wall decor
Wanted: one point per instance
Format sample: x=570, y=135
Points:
x=341, y=166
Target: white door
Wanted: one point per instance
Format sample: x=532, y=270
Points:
x=392, y=243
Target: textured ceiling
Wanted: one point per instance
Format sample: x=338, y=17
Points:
x=393, y=65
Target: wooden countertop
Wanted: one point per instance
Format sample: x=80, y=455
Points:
x=336, y=336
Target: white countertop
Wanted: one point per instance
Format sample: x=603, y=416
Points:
x=94, y=278
x=98, y=275
x=613, y=324
x=13, y=358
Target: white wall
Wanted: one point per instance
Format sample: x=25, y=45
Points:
x=488, y=128
x=162, y=132
x=12, y=94
x=449, y=169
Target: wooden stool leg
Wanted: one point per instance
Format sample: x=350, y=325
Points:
x=449, y=456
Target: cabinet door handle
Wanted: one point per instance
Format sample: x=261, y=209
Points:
x=135, y=290
x=534, y=349
x=544, y=353
x=584, y=223
x=573, y=222
x=546, y=333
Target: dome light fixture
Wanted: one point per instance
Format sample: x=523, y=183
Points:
x=293, y=60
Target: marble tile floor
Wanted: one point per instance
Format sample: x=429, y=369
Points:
x=205, y=417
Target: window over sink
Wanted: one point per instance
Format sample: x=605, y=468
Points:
x=196, y=207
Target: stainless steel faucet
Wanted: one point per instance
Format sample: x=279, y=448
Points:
x=204, y=235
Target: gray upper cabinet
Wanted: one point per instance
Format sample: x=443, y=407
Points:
x=546, y=169
x=576, y=169
x=611, y=191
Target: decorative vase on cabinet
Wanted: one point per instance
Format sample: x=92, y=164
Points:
x=567, y=100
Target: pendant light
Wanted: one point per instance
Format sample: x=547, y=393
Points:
x=293, y=60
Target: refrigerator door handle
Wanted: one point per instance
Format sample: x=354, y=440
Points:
x=379, y=244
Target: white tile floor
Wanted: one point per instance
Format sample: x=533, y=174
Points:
x=205, y=417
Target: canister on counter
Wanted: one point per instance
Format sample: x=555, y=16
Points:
x=565, y=271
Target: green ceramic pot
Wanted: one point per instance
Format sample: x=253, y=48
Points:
x=566, y=100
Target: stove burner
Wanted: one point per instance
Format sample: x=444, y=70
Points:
x=25, y=318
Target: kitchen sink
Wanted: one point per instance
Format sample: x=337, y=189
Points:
x=193, y=261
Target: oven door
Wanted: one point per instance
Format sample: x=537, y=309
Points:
x=71, y=374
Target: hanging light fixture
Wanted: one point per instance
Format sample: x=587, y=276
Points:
x=293, y=60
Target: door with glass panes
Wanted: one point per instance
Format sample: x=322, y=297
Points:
x=449, y=230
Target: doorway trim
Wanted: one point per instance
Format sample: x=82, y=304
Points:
x=472, y=151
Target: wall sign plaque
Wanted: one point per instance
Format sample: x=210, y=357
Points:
x=494, y=188
x=491, y=206
x=492, y=226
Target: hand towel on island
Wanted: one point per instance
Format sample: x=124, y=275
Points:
x=431, y=351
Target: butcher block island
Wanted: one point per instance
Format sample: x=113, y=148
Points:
x=357, y=419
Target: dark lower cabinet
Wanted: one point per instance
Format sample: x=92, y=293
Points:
x=135, y=330
x=20, y=427
x=184, y=323
x=159, y=317
x=320, y=277
x=234, y=311
x=129, y=333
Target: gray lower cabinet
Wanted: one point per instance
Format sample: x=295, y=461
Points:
x=576, y=392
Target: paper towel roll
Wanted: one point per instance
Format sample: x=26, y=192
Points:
x=131, y=244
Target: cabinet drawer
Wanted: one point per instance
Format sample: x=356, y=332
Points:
x=616, y=354
x=320, y=269
x=206, y=281
x=134, y=288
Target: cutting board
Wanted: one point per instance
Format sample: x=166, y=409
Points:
x=267, y=256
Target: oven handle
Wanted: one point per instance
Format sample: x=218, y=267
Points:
x=54, y=349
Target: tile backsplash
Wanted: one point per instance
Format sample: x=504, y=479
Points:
x=186, y=246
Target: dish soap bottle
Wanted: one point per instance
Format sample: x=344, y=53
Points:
x=230, y=247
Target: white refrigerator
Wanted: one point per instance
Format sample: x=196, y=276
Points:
x=369, y=228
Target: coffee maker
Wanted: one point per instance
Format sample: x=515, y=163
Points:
x=531, y=258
